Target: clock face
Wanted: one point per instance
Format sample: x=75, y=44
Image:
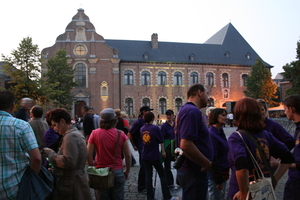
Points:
x=80, y=50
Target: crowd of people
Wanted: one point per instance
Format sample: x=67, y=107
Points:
x=214, y=167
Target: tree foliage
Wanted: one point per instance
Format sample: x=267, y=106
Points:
x=60, y=80
x=292, y=73
x=25, y=73
x=260, y=84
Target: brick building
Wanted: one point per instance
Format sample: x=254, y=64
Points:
x=128, y=74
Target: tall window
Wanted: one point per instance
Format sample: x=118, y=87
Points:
x=162, y=106
x=178, y=104
x=128, y=77
x=177, y=78
x=80, y=75
x=146, y=102
x=244, y=79
x=209, y=79
x=129, y=105
x=225, y=80
x=161, y=79
x=145, y=78
x=193, y=78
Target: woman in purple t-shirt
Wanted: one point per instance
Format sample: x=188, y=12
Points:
x=152, y=137
x=248, y=118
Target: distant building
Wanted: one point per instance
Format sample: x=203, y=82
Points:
x=282, y=85
x=128, y=74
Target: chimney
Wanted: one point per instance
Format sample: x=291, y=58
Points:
x=154, y=41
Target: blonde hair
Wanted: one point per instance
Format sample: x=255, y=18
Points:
x=118, y=112
x=208, y=110
x=123, y=114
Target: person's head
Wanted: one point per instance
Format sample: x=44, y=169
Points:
x=149, y=117
x=118, y=112
x=7, y=100
x=291, y=105
x=123, y=114
x=247, y=114
x=170, y=115
x=208, y=110
x=217, y=116
x=85, y=109
x=48, y=114
x=91, y=111
x=144, y=110
x=198, y=94
x=36, y=112
x=60, y=120
x=108, y=118
x=26, y=103
x=264, y=107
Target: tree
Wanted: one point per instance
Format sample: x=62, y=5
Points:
x=292, y=73
x=60, y=80
x=25, y=74
x=260, y=84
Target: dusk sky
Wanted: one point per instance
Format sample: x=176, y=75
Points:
x=271, y=27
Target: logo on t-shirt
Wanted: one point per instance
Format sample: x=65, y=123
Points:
x=146, y=137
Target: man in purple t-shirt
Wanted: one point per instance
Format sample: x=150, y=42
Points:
x=193, y=138
x=292, y=110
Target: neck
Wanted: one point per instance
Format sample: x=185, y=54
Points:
x=217, y=126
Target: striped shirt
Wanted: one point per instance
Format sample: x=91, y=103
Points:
x=16, y=140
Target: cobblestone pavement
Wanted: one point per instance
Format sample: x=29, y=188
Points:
x=131, y=192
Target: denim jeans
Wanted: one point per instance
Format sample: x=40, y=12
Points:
x=194, y=184
x=167, y=165
x=291, y=190
x=149, y=179
x=116, y=192
x=213, y=192
x=142, y=173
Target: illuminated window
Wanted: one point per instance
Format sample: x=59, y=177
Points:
x=80, y=50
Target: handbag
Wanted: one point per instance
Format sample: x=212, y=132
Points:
x=261, y=188
x=103, y=178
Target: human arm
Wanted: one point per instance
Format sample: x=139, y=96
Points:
x=127, y=154
x=90, y=151
x=35, y=160
x=131, y=141
x=192, y=152
x=243, y=182
x=163, y=151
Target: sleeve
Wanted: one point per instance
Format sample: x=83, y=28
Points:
x=159, y=135
x=192, y=122
x=164, y=129
x=126, y=123
x=282, y=135
x=237, y=147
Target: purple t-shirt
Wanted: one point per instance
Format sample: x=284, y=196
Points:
x=135, y=132
x=191, y=125
x=280, y=133
x=151, y=138
x=220, y=145
x=293, y=173
x=270, y=145
x=168, y=131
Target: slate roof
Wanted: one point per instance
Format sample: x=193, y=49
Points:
x=213, y=51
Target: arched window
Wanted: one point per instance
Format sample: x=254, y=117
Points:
x=146, y=102
x=145, y=78
x=211, y=102
x=178, y=104
x=129, y=106
x=210, y=78
x=162, y=106
x=80, y=75
x=161, y=79
x=177, y=78
x=128, y=77
x=193, y=78
x=244, y=79
x=225, y=80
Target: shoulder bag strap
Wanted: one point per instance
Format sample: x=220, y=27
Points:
x=116, y=150
x=262, y=155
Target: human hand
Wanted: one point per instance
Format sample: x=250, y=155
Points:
x=126, y=175
x=47, y=151
x=274, y=163
x=239, y=196
x=163, y=154
x=220, y=186
x=135, y=148
x=206, y=166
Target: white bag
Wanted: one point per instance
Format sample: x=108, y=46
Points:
x=261, y=188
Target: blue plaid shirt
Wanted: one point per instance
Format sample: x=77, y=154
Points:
x=16, y=140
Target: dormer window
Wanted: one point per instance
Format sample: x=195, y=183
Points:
x=146, y=56
x=192, y=57
x=227, y=54
x=248, y=56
